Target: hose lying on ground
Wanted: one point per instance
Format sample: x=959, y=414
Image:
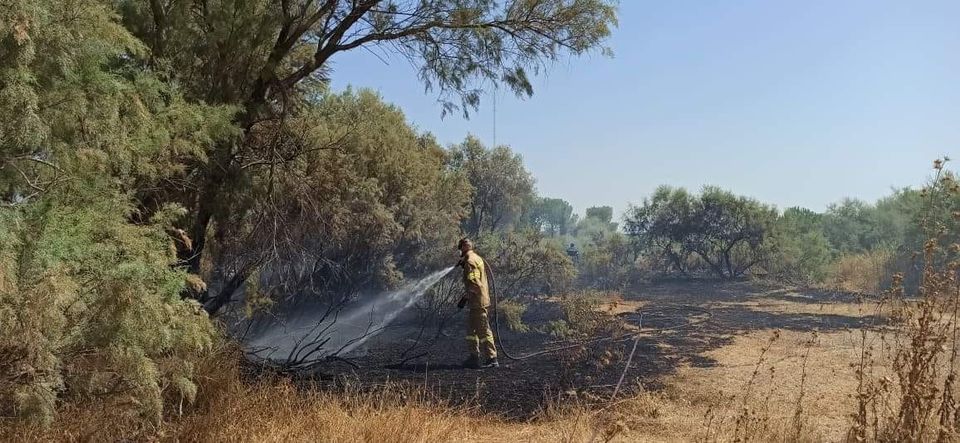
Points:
x=632, y=336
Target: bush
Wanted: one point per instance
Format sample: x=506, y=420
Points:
x=861, y=273
x=731, y=234
x=89, y=306
x=523, y=263
x=921, y=405
x=558, y=328
x=801, y=258
x=582, y=317
x=607, y=263
x=512, y=313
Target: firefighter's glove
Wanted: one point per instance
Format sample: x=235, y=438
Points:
x=462, y=303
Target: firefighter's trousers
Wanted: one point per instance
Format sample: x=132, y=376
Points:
x=479, y=335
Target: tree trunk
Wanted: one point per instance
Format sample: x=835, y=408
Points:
x=198, y=232
x=213, y=304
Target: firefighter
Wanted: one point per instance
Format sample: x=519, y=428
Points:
x=477, y=297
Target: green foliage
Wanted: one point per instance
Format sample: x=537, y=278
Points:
x=803, y=252
x=269, y=62
x=554, y=216
x=602, y=213
x=127, y=122
x=675, y=231
x=730, y=234
x=933, y=213
x=367, y=197
x=92, y=308
x=863, y=236
x=606, y=262
x=500, y=182
x=524, y=264
x=90, y=305
x=660, y=228
x=559, y=328
x=455, y=44
x=512, y=313
x=853, y=226
x=582, y=317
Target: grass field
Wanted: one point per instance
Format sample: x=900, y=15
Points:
x=766, y=364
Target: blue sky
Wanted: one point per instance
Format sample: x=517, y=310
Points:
x=796, y=103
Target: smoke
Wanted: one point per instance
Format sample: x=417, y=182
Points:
x=343, y=333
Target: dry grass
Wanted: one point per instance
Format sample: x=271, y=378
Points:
x=273, y=409
x=697, y=404
x=861, y=273
x=764, y=386
x=816, y=365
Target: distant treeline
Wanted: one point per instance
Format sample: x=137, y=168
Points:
x=853, y=245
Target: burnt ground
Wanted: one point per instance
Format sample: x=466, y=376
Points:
x=681, y=321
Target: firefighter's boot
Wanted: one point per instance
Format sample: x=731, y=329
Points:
x=491, y=363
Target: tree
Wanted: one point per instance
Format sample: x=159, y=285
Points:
x=90, y=304
x=730, y=232
x=662, y=227
x=500, y=182
x=552, y=215
x=802, y=250
x=266, y=58
x=361, y=217
x=602, y=213
x=523, y=264
x=606, y=261
x=600, y=217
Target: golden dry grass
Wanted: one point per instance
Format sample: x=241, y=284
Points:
x=861, y=273
x=737, y=396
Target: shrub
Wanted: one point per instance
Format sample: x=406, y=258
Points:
x=89, y=306
x=607, y=263
x=512, y=313
x=523, y=263
x=582, y=317
x=862, y=273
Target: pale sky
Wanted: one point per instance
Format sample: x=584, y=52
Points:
x=795, y=103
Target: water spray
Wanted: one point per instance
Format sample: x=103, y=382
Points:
x=349, y=329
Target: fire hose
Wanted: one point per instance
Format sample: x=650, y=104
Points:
x=633, y=336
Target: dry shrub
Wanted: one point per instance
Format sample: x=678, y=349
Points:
x=234, y=407
x=907, y=385
x=583, y=316
x=917, y=399
x=861, y=273
x=512, y=312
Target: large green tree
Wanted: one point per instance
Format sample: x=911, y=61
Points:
x=265, y=58
x=802, y=250
x=554, y=216
x=661, y=228
x=731, y=234
x=602, y=213
x=500, y=183
x=380, y=205
x=90, y=304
